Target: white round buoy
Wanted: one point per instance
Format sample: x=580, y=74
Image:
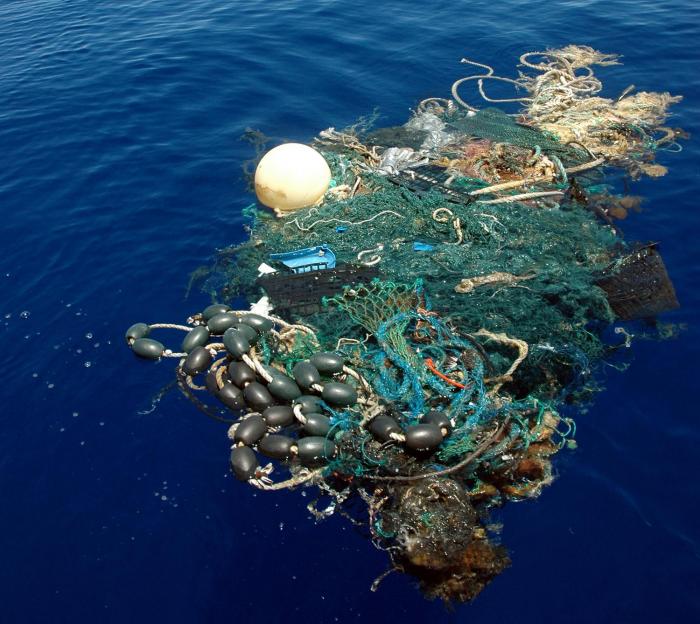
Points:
x=290, y=177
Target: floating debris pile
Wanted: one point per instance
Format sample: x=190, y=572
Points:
x=418, y=331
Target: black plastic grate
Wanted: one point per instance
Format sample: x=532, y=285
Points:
x=422, y=180
x=638, y=286
x=301, y=293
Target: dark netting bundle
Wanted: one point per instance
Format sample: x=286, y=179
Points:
x=419, y=337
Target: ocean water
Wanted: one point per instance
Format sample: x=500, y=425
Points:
x=120, y=173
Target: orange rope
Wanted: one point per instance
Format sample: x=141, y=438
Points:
x=431, y=365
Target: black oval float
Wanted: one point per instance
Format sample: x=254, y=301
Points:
x=213, y=310
x=197, y=361
x=244, y=463
x=231, y=397
x=241, y=374
x=317, y=425
x=219, y=323
x=136, y=331
x=424, y=438
x=276, y=446
x=436, y=417
x=314, y=450
x=235, y=342
x=382, y=427
x=309, y=403
x=148, y=348
x=284, y=388
x=328, y=362
x=196, y=337
x=257, y=396
x=258, y=322
x=306, y=374
x=250, y=430
x=278, y=416
x=340, y=394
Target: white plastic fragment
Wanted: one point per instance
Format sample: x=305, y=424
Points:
x=265, y=269
x=262, y=306
x=396, y=159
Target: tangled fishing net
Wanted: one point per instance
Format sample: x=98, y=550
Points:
x=421, y=335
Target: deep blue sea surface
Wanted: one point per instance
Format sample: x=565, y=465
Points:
x=120, y=173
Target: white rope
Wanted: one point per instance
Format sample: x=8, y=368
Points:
x=374, y=259
x=302, y=477
x=170, y=326
x=308, y=228
x=170, y=354
x=299, y=415
x=252, y=362
x=522, y=197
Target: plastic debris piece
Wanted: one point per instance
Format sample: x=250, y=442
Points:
x=306, y=260
x=265, y=269
x=418, y=246
x=638, y=285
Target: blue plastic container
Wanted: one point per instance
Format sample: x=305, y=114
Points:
x=309, y=259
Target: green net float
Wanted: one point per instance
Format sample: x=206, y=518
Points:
x=148, y=348
x=327, y=362
x=315, y=450
x=257, y=396
x=258, y=322
x=211, y=383
x=136, y=331
x=250, y=430
x=244, y=463
x=436, y=417
x=272, y=371
x=278, y=416
x=197, y=337
x=317, y=425
x=219, y=323
x=213, y=310
x=197, y=361
x=340, y=394
x=284, y=388
x=241, y=374
x=309, y=403
x=235, y=342
x=381, y=427
x=231, y=397
x=248, y=332
x=276, y=446
x=423, y=438
x=306, y=374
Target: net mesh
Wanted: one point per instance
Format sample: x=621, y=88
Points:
x=553, y=255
